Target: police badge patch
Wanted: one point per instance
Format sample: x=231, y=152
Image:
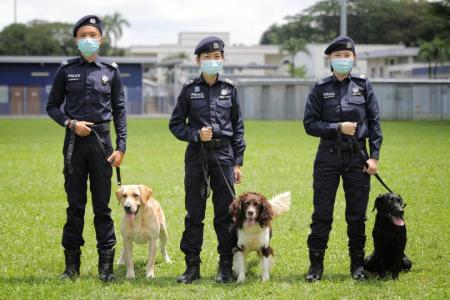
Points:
x=223, y=92
x=104, y=79
x=92, y=20
x=196, y=89
x=216, y=45
x=349, y=45
x=355, y=91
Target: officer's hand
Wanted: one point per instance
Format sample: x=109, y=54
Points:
x=237, y=174
x=373, y=166
x=116, y=159
x=206, y=134
x=348, y=128
x=82, y=129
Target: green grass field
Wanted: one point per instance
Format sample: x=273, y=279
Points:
x=415, y=162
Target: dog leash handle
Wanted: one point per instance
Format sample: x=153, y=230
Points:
x=119, y=178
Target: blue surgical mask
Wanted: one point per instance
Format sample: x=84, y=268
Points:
x=88, y=46
x=211, y=66
x=342, y=65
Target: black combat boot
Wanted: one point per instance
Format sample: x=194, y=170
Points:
x=192, y=270
x=105, y=264
x=72, y=258
x=406, y=263
x=225, y=273
x=356, y=265
x=316, y=268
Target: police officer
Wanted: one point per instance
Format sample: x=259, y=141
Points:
x=342, y=110
x=208, y=117
x=91, y=88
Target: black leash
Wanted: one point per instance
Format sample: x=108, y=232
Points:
x=206, y=170
x=102, y=148
x=364, y=159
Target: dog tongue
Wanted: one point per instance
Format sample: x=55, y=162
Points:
x=250, y=223
x=130, y=217
x=398, y=221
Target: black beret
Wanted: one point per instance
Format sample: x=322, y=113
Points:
x=342, y=42
x=91, y=20
x=209, y=44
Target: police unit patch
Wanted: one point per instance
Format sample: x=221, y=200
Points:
x=223, y=92
x=196, y=89
x=92, y=20
x=216, y=45
x=356, y=91
x=104, y=79
x=328, y=95
x=349, y=45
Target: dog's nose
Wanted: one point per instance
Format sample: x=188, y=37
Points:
x=250, y=213
x=127, y=209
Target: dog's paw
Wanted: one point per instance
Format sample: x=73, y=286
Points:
x=240, y=279
x=265, y=277
x=130, y=275
x=120, y=261
x=150, y=274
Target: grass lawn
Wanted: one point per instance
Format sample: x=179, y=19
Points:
x=415, y=162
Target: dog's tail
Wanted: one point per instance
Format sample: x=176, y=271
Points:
x=280, y=203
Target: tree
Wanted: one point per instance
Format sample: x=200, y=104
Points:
x=437, y=51
x=369, y=22
x=113, y=28
x=292, y=46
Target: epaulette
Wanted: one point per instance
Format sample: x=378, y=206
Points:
x=359, y=76
x=70, y=61
x=325, y=80
x=109, y=63
x=190, y=81
x=229, y=81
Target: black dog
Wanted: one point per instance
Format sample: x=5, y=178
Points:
x=389, y=237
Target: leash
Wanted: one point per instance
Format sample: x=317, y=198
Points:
x=364, y=160
x=223, y=174
x=102, y=148
x=206, y=171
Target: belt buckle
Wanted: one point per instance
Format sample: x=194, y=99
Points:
x=215, y=143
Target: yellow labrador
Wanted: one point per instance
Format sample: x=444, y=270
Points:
x=143, y=221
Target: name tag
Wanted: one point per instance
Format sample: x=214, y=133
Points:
x=328, y=95
x=197, y=96
x=73, y=77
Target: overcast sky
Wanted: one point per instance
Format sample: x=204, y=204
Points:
x=154, y=22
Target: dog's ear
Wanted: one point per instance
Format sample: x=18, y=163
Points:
x=378, y=202
x=236, y=211
x=266, y=213
x=146, y=193
x=119, y=194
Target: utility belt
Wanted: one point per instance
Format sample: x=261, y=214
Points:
x=214, y=143
x=343, y=145
x=95, y=129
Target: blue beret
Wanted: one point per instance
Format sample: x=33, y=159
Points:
x=209, y=44
x=91, y=20
x=342, y=42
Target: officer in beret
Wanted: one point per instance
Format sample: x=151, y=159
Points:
x=208, y=117
x=342, y=110
x=91, y=89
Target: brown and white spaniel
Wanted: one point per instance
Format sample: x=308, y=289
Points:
x=252, y=216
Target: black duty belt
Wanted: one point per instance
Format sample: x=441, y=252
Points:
x=96, y=128
x=217, y=143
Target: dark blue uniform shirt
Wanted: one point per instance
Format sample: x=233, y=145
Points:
x=216, y=106
x=352, y=100
x=93, y=92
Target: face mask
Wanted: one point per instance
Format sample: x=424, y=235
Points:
x=88, y=46
x=342, y=65
x=211, y=66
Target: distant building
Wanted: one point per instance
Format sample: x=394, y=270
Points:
x=400, y=62
x=240, y=61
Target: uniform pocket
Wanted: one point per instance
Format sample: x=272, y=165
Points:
x=103, y=89
x=74, y=86
x=356, y=100
x=224, y=103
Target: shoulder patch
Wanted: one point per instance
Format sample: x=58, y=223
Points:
x=360, y=76
x=229, y=81
x=70, y=61
x=324, y=80
x=110, y=63
x=190, y=81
